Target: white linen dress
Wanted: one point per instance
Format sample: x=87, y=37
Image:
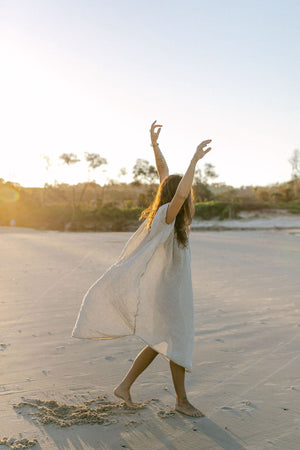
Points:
x=147, y=292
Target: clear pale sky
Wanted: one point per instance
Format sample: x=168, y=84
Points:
x=83, y=75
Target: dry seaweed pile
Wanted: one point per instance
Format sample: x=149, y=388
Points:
x=95, y=411
x=15, y=444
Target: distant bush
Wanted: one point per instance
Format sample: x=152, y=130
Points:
x=292, y=206
x=215, y=209
x=252, y=205
x=117, y=207
x=107, y=218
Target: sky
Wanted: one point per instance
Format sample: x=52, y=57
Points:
x=92, y=75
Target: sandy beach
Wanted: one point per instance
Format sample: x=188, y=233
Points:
x=252, y=220
x=56, y=391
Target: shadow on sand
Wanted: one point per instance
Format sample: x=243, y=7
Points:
x=104, y=424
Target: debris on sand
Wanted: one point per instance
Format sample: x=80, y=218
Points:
x=14, y=443
x=95, y=411
x=165, y=414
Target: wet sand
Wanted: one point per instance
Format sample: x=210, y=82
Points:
x=57, y=390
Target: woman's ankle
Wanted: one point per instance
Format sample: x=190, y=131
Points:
x=181, y=400
x=124, y=386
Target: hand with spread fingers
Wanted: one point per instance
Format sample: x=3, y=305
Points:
x=200, y=152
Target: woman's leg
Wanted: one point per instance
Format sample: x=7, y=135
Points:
x=141, y=362
x=182, y=403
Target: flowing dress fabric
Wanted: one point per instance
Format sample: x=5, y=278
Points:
x=147, y=292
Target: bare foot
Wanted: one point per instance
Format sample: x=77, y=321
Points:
x=124, y=394
x=188, y=409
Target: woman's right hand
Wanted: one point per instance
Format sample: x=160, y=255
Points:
x=200, y=152
x=154, y=135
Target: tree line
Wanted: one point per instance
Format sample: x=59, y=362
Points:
x=117, y=205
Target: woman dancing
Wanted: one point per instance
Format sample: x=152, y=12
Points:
x=148, y=291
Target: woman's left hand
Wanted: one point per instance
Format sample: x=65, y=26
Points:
x=154, y=135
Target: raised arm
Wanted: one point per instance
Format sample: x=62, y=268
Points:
x=161, y=164
x=186, y=182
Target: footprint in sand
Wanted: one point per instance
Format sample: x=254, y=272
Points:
x=3, y=347
x=247, y=407
x=60, y=348
x=291, y=388
x=132, y=423
x=165, y=414
x=232, y=410
x=248, y=403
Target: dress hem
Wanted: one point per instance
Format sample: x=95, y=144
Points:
x=168, y=358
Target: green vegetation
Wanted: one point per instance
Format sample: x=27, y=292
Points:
x=117, y=206
x=215, y=209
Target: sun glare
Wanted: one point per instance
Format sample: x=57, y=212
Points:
x=9, y=194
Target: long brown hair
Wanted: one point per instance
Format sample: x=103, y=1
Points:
x=165, y=193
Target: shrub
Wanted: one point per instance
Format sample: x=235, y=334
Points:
x=213, y=209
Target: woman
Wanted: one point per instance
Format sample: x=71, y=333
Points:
x=148, y=291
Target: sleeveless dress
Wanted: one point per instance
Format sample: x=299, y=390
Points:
x=147, y=292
